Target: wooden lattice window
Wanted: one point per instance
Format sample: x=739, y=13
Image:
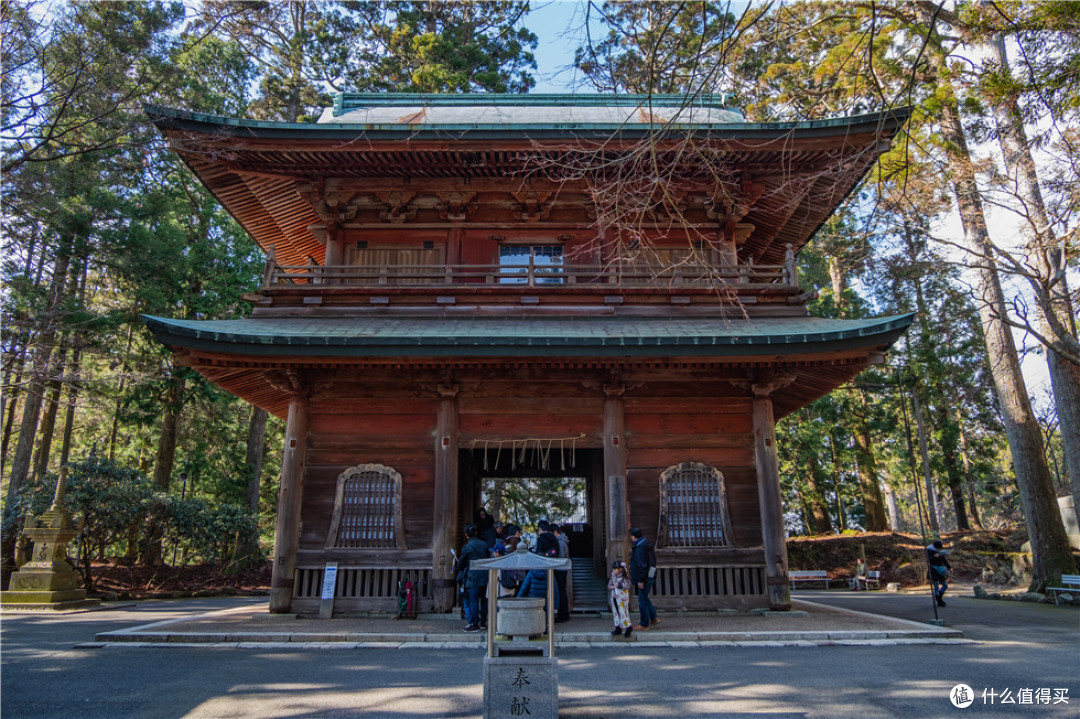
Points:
x=693, y=507
x=367, y=509
x=401, y=265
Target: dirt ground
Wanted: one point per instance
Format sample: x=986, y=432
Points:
x=116, y=580
x=992, y=559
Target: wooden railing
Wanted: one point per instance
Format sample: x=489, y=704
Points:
x=530, y=275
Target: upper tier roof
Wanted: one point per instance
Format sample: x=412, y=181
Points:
x=534, y=111
x=260, y=171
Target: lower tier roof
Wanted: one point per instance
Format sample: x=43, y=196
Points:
x=602, y=337
x=249, y=357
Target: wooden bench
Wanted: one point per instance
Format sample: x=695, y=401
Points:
x=870, y=580
x=811, y=575
x=1071, y=582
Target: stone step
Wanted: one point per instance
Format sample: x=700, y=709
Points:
x=590, y=591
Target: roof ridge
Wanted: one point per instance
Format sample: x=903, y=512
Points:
x=344, y=101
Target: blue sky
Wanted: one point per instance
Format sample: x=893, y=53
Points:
x=560, y=25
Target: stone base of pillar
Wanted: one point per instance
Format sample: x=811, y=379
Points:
x=780, y=597
x=443, y=597
x=281, y=599
x=63, y=599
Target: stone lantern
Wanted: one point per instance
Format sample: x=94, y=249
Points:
x=48, y=580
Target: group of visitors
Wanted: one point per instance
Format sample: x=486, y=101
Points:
x=490, y=538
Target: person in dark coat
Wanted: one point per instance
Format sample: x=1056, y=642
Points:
x=485, y=527
x=563, y=603
x=535, y=584
x=474, y=581
x=642, y=576
x=939, y=570
x=546, y=544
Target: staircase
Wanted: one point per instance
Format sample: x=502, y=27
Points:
x=590, y=591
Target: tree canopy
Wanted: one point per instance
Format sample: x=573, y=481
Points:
x=101, y=224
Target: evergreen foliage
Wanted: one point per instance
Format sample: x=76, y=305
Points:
x=101, y=224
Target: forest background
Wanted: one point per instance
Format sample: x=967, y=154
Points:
x=102, y=224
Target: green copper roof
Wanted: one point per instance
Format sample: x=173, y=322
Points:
x=345, y=101
x=482, y=110
x=524, y=337
x=486, y=120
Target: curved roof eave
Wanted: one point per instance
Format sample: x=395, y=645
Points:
x=599, y=337
x=186, y=121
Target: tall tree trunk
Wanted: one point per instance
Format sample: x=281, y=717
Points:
x=166, y=457
x=926, y=340
x=1051, y=555
x=894, y=509
x=47, y=425
x=837, y=280
x=14, y=373
x=248, y=551
x=298, y=10
x=120, y=394
x=820, y=521
x=72, y=402
x=1045, y=252
x=41, y=370
x=869, y=483
x=170, y=423
x=256, y=450
x=933, y=512
x=969, y=481
x=949, y=442
x=12, y=393
x=73, y=385
x=841, y=521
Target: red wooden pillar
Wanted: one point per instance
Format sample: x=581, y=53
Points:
x=287, y=535
x=617, y=519
x=772, y=511
x=335, y=250
x=445, y=530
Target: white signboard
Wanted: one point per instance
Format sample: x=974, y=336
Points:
x=329, y=580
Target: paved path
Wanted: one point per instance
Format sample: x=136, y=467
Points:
x=1019, y=647
x=251, y=625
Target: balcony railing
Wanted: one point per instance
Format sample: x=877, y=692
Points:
x=539, y=276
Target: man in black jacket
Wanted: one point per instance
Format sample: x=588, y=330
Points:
x=474, y=581
x=939, y=570
x=642, y=575
x=562, y=602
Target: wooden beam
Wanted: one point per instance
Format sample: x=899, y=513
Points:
x=444, y=533
x=615, y=472
x=772, y=511
x=290, y=495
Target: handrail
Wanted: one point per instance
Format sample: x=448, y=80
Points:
x=529, y=275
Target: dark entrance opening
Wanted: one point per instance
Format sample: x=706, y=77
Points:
x=523, y=484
